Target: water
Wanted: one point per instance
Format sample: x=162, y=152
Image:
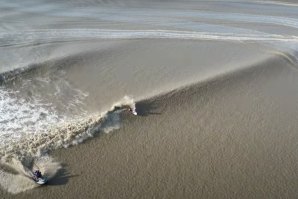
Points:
x=65, y=65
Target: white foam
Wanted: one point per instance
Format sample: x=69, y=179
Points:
x=20, y=149
x=18, y=117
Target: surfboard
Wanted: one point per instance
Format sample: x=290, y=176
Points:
x=134, y=112
x=40, y=181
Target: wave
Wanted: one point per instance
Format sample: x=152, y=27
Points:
x=45, y=64
x=20, y=154
x=65, y=133
x=277, y=62
x=29, y=151
x=43, y=129
x=63, y=35
x=50, y=65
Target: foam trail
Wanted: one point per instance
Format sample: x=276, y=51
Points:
x=32, y=37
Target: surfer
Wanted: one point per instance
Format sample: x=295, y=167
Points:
x=129, y=108
x=38, y=178
x=133, y=111
x=37, y=174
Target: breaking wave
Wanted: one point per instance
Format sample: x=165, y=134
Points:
x=30, y=130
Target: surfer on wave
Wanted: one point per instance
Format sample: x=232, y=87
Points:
x=129, y=108
x=37, y=174
x=38, y=178
x=133, y=111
